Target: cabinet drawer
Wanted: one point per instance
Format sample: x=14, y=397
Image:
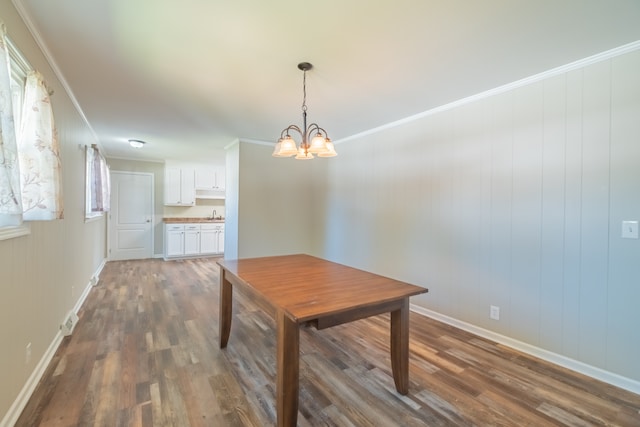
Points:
x=210, y=226
x=191, y=227
x=175, y=227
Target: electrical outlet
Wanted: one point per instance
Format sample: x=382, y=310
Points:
x=494, y=312
x=629, y=229
x=27, y=354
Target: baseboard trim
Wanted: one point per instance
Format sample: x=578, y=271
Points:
x=25, y=394
x=11, y=417
x=549, y=356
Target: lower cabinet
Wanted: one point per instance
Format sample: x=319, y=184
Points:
x=187, y=240
x=173, y=240
x=212, y=238
x=192, y=239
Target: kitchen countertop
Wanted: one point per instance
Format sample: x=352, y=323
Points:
x=170, y=220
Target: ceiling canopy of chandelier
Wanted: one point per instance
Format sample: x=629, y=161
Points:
x=314, y=139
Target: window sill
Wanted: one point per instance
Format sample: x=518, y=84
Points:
x=93, y=216
x=13, y=232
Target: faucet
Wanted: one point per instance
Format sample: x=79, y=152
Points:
x=213, y=215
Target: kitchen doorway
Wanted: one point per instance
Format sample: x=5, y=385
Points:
x=131, y=216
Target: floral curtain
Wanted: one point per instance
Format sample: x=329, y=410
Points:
x=10, y=206
x=99, y=179
x=39, y=155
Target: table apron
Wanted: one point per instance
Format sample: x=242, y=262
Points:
x=356, y=314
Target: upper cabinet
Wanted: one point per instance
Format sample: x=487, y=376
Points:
x=183, y=184
x=210, y=178
x=210, y=182
x=179, y=186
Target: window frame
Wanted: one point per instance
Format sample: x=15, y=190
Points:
x=19, y=68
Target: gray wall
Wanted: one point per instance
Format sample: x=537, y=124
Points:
x=275, y=203
x=274, y=206
x=43, y=275
x=514, y=200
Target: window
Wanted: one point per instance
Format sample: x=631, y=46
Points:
x=12, y=81
x=30, y=164
x=19, y=70
x=97, y=184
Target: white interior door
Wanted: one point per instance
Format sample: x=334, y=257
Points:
x=131, y=216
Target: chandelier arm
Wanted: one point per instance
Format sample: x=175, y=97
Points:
x=285, y=131
x=313, y=127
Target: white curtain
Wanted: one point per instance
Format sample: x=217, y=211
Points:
x=39, y=155
x=99, y=180
x=10, y=206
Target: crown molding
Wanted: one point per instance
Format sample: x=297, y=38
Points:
x=254, y=141
x=581, y=63
x=28, y=21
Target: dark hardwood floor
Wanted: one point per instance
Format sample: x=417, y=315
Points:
x=145, y=353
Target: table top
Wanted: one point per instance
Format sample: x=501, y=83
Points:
x=307, y=287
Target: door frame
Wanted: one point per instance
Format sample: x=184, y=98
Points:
x=152, y=214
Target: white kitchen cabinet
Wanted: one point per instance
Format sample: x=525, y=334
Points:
x=212, y=238
x=221, y=239
x=179, y=186
x=220, y=179
x=210, y=179
x=174, y=240
x=205, y=178
x=208, y=239
x=192, y=239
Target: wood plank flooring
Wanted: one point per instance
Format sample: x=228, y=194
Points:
x=145, y=353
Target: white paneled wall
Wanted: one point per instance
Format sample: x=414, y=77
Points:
x=514, y=200
x=623, y=286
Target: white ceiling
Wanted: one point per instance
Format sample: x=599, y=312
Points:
x=192, y=76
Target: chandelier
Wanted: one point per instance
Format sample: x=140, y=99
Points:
x=314, y=139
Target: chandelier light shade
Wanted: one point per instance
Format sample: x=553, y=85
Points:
x=314, y=139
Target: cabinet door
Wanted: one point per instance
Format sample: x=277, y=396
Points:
x=187, y=186
x=191, y=239
x=221, y=239
x=175, y=243
x=179, y=187
x=208, y=241
x=172, y=186
x=220, y=179
x=205, y=179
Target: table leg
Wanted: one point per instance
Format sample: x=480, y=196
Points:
x=287, y=370
x=226, y=307
x=400, y=347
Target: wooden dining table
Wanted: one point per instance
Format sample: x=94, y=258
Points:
x=298, y=290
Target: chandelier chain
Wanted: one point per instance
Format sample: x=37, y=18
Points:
x=304, y=91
